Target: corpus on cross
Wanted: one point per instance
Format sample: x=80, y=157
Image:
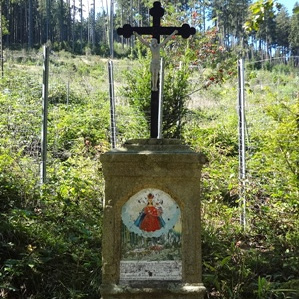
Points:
x=155, y=50
x=157, y=12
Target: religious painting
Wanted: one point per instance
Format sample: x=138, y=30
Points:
x=151, y=236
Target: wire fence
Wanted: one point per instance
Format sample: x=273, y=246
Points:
x=23, y=119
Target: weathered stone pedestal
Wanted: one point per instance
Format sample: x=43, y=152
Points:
x=151, y=229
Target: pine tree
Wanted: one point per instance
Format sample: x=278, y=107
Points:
x=294, y=36
x=283, y=27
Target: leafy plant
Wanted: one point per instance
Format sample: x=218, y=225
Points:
x=175, y=93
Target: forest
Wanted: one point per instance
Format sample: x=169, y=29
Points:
x=51, y=231
x=80, y=26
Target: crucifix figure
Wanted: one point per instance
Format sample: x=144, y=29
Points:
x=157, y=12
x=155, y=50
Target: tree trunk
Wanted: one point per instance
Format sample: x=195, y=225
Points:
x=73, y=23
x=48, y=20
x=61, y=22
x=69, y=22
x=1, y=43
x=30, y=21
x=81, y=26
x=111, y=28
x=93, y=26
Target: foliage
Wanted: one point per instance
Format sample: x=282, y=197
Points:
x=50, y=236
x=293, y=37
x=262, y=261
x=138, y=92
x=209, y=55
x=283, y=28
x=50, y=240
x=259, y=11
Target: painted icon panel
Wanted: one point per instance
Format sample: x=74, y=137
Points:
x=151, y=236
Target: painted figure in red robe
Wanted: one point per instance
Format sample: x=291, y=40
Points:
x=150, y=218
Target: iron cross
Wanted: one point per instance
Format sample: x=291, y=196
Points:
x=157, y=12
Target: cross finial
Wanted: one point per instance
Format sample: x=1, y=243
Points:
x=157, y=12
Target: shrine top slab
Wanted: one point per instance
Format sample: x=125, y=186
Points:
x=158, y=146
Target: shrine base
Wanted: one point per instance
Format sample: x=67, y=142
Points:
x=170, y=291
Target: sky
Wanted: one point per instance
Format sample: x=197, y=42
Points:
x=289, y=4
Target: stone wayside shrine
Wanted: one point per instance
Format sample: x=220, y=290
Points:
x=151, y=245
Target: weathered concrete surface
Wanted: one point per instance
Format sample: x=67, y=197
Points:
x=173, y=168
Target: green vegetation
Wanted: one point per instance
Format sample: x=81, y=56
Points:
x=262, y=261
x=50, y=236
